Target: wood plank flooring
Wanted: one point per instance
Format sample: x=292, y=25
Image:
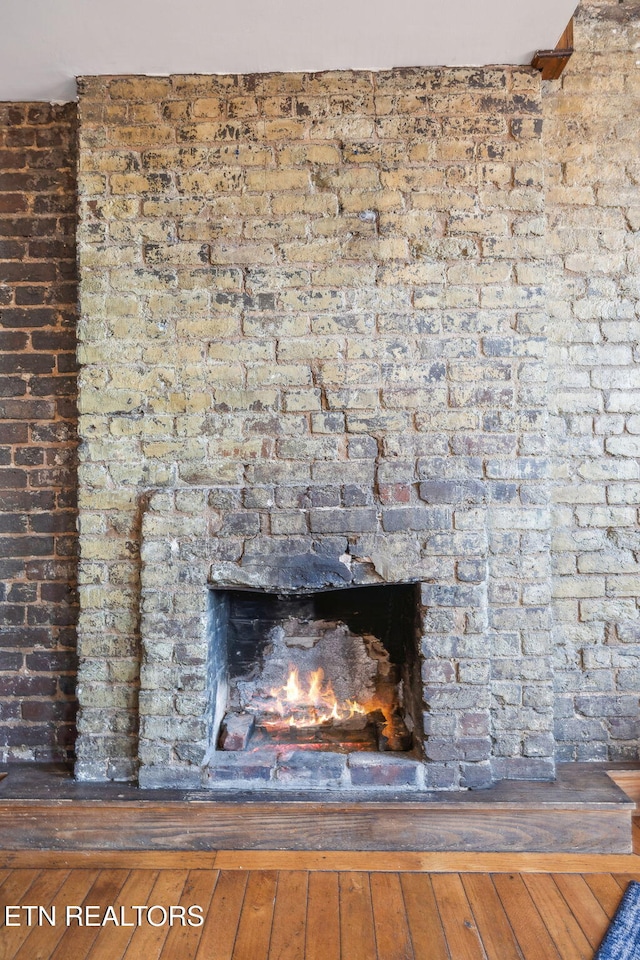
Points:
x=301, y=914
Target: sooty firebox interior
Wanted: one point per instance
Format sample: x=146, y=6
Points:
x=336, y=670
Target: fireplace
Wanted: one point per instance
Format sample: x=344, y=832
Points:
x=334, y=672
x=312, y=365
x=223, y=636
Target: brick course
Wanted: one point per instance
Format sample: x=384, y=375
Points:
x=38, y=294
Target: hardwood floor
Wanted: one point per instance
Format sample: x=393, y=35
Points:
x=301, y=914
x=356, y=902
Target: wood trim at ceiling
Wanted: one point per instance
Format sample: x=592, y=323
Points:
x=552, y=62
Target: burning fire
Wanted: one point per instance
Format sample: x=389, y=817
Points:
x=309, y=706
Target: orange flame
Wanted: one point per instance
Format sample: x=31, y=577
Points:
x=300, y=706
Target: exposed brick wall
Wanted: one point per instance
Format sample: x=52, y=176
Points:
x=592, y=202
x=38, y=294
x=310, y=312
x=592, y=121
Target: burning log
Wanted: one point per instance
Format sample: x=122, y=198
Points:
x=308, y=712
x=295, y=705
x=394, y=735
x=236, y=730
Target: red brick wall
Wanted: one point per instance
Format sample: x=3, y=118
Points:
x=38, y=293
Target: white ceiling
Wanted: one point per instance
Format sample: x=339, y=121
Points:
x=44, y=44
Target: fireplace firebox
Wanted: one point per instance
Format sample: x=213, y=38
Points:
x=334, y=672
